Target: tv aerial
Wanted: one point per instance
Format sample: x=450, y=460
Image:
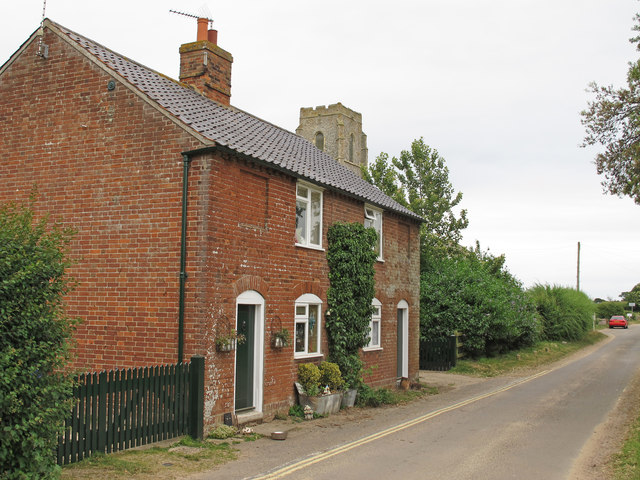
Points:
x=204, y=13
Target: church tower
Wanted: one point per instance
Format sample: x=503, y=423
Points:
x=336, y=130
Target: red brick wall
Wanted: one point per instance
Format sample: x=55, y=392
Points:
x=251, y=246
x=109, y=165
x=212, y=79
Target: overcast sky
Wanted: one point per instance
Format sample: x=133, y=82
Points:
x=496, y=86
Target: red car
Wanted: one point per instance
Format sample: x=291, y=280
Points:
x=618, y=321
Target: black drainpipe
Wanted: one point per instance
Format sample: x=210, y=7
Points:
x=183, y=255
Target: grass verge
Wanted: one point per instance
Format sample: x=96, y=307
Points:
x=526, y=358
x=172, y=462
x=626, y=464
x=369, y=397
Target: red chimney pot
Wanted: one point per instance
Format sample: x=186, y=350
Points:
x=203, y=25
x=213, y=36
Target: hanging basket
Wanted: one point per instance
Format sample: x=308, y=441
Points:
x=226, y=345
x=280, y=339
x=227, y=342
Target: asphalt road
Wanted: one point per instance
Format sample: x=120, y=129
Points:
x=531, y=427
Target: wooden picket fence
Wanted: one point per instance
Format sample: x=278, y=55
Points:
x=126, y=408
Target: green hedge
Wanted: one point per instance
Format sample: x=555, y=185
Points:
x=34, y=339
x=565, y=313
x=468, y=295
x=608, y=309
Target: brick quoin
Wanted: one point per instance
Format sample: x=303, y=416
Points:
x=109, y=164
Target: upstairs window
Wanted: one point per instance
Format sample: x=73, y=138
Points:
x=320, y=140
x=373, y=219
x=308, y=216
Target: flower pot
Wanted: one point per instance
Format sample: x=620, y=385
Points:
x=278, y=342
x=321, y=404
x=349, y=398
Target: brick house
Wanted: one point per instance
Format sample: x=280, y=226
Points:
x=194, y=218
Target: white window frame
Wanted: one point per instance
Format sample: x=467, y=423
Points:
x=373, y=219
x=307, y=300
x=309, y=223
x=375, y=324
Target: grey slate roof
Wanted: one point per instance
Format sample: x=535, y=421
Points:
x=238, y=130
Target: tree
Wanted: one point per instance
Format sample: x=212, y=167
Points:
x=468, y=294
x=34, y=342
x=383, y=175
x=633, y=296
x=608, y=309
x=613, y=121
x=419, y=180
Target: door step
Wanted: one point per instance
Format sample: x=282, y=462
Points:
x=249, y=417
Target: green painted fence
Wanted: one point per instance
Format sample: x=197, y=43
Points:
x=439, y=354
x=127, y=408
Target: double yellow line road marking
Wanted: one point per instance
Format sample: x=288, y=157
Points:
x=294, y=467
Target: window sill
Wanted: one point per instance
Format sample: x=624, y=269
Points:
x=310, y=247
x=372, y=349
x=302, y=356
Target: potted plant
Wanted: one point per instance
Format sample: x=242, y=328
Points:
x=280, y=338
x=319, y=387
x=227, y=342
x=351, y=372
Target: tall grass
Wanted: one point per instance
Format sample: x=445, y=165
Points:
x=565, y=313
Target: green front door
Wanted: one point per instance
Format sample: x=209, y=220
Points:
x=245, y=357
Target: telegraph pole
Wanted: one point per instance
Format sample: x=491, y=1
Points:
x=578, y=274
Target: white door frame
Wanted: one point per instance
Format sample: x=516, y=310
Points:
x=404, y=307
x=251, y=297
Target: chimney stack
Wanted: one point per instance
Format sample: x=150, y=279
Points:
x=205, y=66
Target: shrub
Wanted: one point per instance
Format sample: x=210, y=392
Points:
x=566, y=314
x=34, y=342
x=609, y=309
x=222, y=432
x=369, y=397
x=309, y=378
x=470, y=295
x=330, y=376
x=296, y=411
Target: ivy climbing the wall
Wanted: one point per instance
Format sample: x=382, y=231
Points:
x=351, y=259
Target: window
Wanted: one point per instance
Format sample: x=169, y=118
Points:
x=351, y=148
x=374, y=325
x=373, y=219
x=320, y=141
x=308, y=216
x=307, y=331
